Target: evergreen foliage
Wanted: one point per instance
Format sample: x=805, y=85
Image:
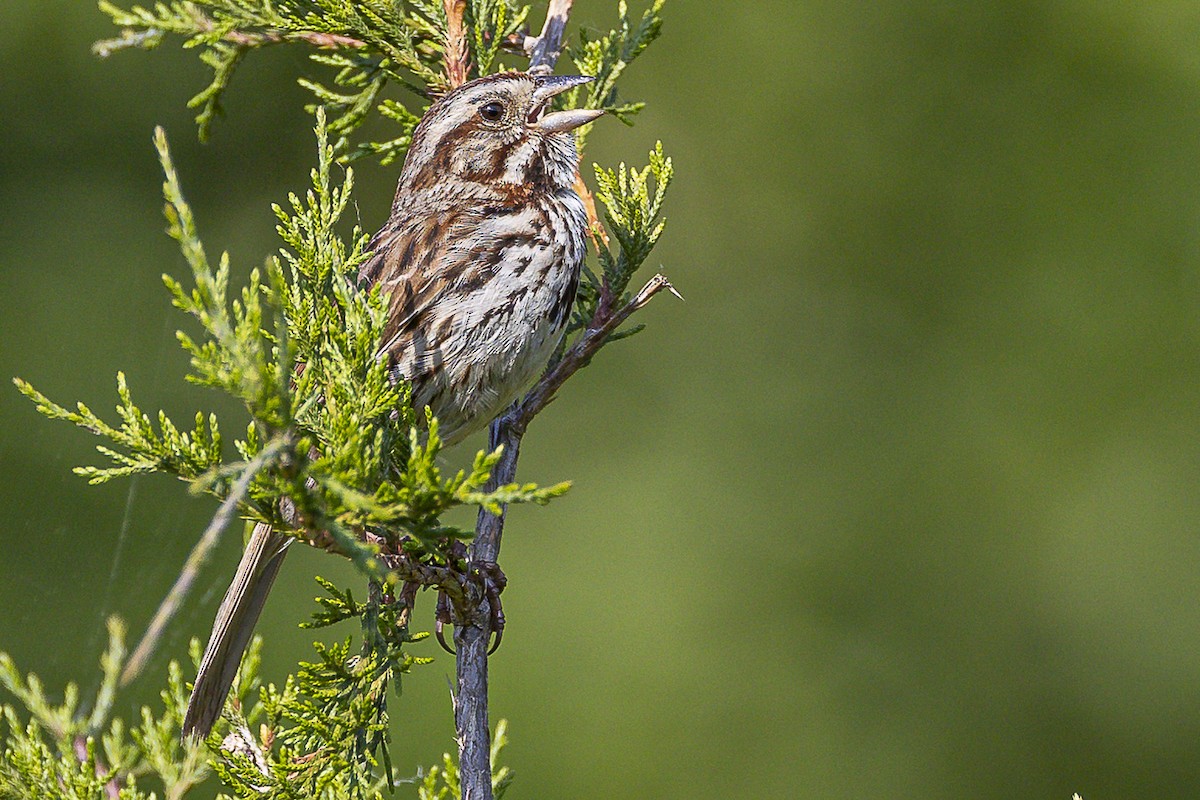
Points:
x=330, y=709
x=335, y=436
x=66, y=752
x=332, y=453
x=634, y=215
x=369, y=44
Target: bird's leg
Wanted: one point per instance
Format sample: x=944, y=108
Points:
x=493, y=580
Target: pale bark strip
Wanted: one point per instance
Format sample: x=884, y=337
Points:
x=471, y=726
x=456, y=56
x=326, y=41
x=543, y=54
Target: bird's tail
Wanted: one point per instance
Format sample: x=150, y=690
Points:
x=231, y=631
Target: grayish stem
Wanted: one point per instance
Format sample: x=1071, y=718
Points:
x=544, y=51
x=471, y=706
x=505, y=432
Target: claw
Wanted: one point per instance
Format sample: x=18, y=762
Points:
x=443, y=616
x=494, y=582
x=441, y=637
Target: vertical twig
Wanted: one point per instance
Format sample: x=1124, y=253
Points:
x=471, y=640
x=543, y=55
x=456, y=56
x=472, y=632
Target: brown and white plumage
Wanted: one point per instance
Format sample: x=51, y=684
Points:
x=480, y=260
x=482, y=252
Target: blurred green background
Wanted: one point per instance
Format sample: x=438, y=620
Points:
x=902, y=502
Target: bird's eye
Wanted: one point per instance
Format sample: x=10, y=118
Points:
x=492, y=111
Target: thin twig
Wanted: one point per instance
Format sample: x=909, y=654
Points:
x=456, y=56
x=112, y=786
x=544, y=51
x=195, y=561
x=130, y=38
x=315, y=38
x=391, y=558
x=581, y=353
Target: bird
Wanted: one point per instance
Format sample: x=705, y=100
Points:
x=480, y=261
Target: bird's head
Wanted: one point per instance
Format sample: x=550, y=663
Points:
x=498, y=130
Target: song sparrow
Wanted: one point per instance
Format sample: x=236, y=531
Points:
x=480, y=259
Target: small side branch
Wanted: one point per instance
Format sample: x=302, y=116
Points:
x=472, y=636
x=599, y=235
x=603, y=325
x=315, y=38
x=132, y=39
x=393, y=560
x=471, y=640
x=112, y=787
x=129, y=39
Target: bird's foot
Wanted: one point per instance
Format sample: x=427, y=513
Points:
x=492, y=581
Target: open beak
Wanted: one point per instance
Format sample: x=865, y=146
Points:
x=556, y=121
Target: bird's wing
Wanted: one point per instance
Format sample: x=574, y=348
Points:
x=418, y=261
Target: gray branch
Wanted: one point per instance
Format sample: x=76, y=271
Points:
x=545, y=49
